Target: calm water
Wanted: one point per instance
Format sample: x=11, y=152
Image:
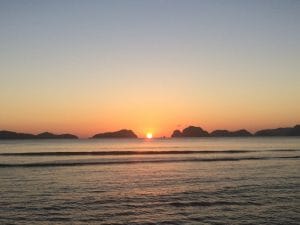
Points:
x=170, y=181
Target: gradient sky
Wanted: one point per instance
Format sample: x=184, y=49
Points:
x=151, y=66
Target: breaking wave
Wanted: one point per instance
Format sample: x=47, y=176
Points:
x=137, y=161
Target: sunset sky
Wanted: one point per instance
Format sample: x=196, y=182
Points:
x=85, y=67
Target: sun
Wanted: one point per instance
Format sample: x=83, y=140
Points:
x=149, y=135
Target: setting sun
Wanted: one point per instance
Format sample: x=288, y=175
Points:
x=149, y=135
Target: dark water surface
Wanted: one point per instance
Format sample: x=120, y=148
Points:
x=171, y=181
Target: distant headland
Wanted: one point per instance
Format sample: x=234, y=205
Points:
x=10, y=135
x=193, y=131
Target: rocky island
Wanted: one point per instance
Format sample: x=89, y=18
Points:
x=117, y=134
x=47, y=135
x=226, y=133
x=193, y=131
x=287, y=131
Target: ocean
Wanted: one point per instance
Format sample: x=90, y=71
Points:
x=157, y=181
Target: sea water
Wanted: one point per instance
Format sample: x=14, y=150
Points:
x=158, y=181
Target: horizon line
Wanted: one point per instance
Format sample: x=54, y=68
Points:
x=155, y=137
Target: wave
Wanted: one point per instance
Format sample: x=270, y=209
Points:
x=214, y=203
x=113, y=153
x=121, y=153
x=90, y=163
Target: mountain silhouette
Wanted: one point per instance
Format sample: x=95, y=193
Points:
x=191, y=131
x=226, y=133
x=10, y=135
x=117, y=134
x=47, y=135
x=287, y=131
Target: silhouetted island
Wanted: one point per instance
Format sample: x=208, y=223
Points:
x=47, y=135
x=10, y=135
x=287, y=131
x=226, y=133
x=117, y=134
x=193, y=131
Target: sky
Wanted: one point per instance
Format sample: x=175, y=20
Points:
x=86, y=67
